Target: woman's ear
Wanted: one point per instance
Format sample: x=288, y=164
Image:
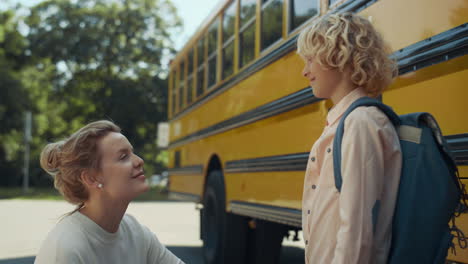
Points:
x=89, y=180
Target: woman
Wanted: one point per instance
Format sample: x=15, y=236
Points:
x=346, y=59
x=96, y=169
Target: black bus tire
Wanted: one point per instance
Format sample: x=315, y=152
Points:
x=224, y=234
x=265, y=242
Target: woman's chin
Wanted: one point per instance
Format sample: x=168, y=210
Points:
x=145, y=187
x=141, y=189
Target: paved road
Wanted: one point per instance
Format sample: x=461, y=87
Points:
x=24, y=224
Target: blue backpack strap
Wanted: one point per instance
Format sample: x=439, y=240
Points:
x=364, y=101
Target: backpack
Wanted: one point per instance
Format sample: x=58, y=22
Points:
x=430, y=193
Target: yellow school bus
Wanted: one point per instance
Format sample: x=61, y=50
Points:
x=243, y=119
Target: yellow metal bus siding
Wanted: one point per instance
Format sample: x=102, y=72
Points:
x=439, y=89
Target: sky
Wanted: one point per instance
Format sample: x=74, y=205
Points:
x=192, y=12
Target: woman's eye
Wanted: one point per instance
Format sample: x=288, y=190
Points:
x=124, y=156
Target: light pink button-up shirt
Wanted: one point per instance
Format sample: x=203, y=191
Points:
x=354, y=225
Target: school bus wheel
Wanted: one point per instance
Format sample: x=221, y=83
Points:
x=224, y=234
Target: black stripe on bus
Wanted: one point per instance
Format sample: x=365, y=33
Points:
x=458, y=145
x=181, y=196
x=353, y=6
x=439, y=48
x=284, y=104
x=195, y=169
x=282, y=215
x=288, y=46
x=453, y=42
x=290, y=162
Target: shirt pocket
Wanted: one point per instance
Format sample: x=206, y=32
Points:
x=327, y=175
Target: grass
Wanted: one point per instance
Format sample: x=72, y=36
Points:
x=154, y=194
x=32, y=194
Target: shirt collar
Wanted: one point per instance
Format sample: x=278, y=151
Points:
x=338, y=110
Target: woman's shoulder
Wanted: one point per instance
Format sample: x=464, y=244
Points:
x=64, y=241
x=66, y=227
x=133, y=228
x=129, y=221
x=132, y=225
x=68, y=231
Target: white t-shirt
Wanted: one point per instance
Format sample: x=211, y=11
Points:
x=78, y=239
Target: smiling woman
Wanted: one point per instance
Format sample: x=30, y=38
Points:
x=96, y=169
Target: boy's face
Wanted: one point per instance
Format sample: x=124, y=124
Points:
x=324, y=82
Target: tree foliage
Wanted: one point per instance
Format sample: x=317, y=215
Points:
x=13, y=98
x=83, y=61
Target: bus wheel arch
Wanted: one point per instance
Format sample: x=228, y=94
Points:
x=223, y=242
x=214, y=164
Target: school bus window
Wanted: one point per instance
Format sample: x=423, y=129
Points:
x=174, y=92
x=190, y=87
x=201, y=51
x=171, y=92
x=301, y=11
x=228, y=36
x=201, y=66
x=177, y=159
x=212, y=53
x=200, y=80
x=212, y=71
x=228, y=61
x=213, y=38
x=247, y=31
x=229, y=20
x=190, y=62
x=247, y=45
x=272, y=21
x=181, y=85
x=247, y=11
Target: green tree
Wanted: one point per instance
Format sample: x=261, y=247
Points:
x=107, y=55
x=13, y=97
x=82, y=61
x=25, y=86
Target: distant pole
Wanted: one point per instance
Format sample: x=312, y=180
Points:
x=27, y=139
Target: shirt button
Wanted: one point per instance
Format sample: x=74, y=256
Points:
x=307, y=242
x=308, y=211
x=314, y=186
x=329, y=150
x=312, y=159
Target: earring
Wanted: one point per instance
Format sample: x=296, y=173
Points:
x=99, y=185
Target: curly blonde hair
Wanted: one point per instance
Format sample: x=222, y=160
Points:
x=346, y=39
x=65, y=160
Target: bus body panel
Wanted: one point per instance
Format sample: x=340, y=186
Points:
x=439, y=89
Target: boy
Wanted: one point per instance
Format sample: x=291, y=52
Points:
x=346, y=59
